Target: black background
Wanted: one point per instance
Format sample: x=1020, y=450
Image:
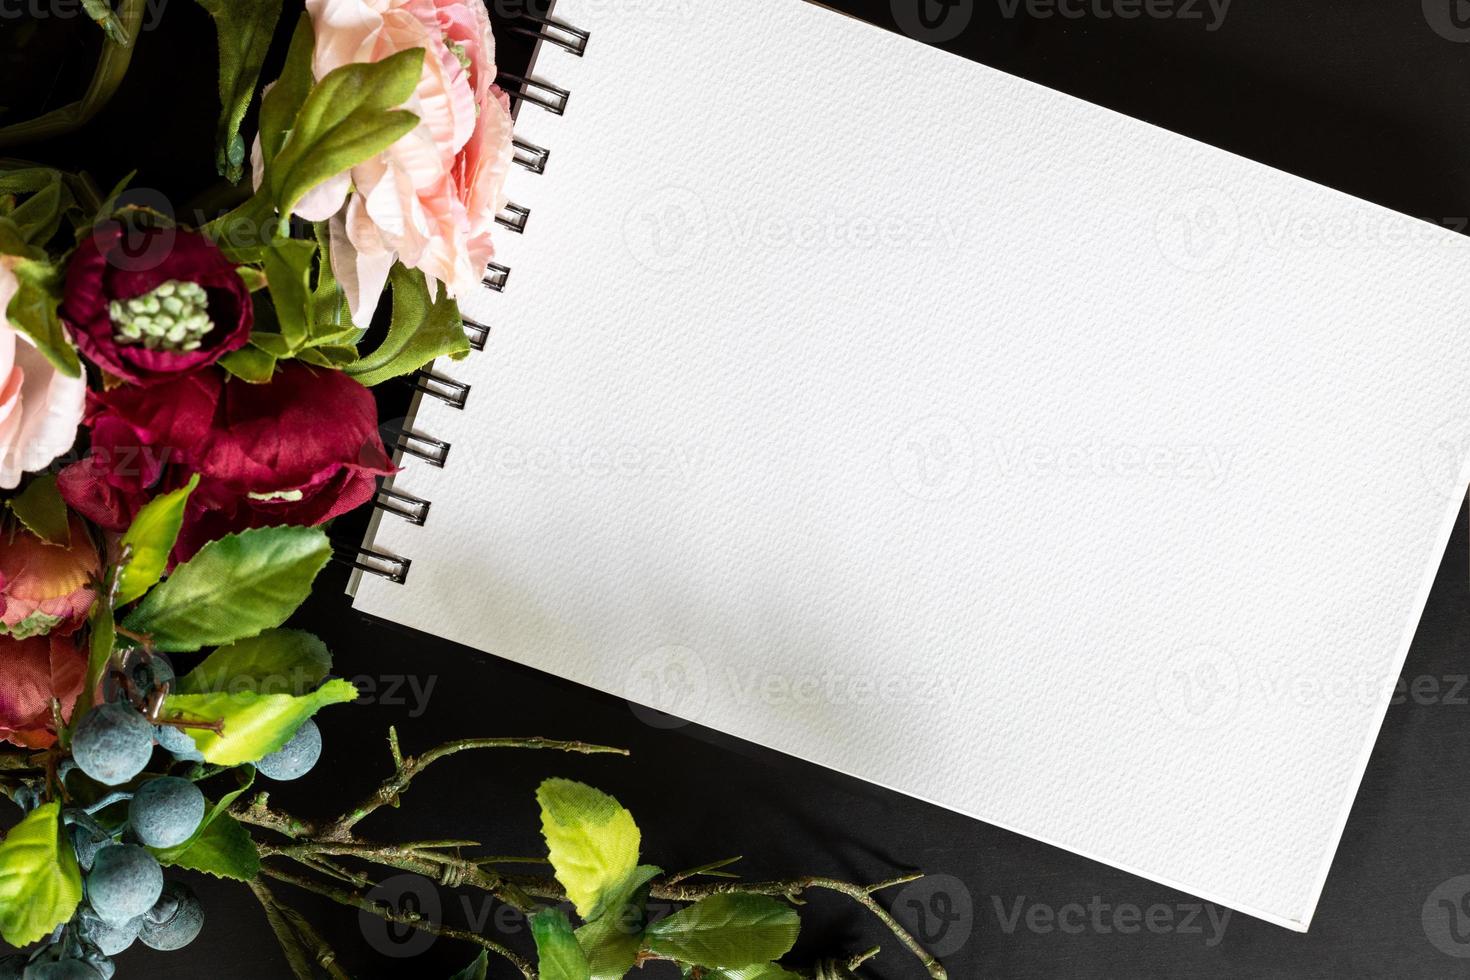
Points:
x=1362, y=95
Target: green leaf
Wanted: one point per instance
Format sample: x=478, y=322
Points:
x=32, y=311
x=104, y=638
x=557, y=954
x=288, y=271
x=724, y=931
x=593, y=842
x=346, y=118
x=233, y=588
x=421, y=330
x=40, y=883
x=149, y=540
x=762, y=971
x=244, y=28
x=613, y=939
x=476, y=970
x=279, y=106
x=223, y=851
x=253, y=724
x=331, y=321
x=250, y=364
x=278, y=661
x=40, y=508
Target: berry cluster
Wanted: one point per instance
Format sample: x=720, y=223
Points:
x=126, y=897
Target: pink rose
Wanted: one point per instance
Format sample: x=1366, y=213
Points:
x=430, y=199
x=40, y=407
x=45, y=587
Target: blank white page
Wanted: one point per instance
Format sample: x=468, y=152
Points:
x=930, y=425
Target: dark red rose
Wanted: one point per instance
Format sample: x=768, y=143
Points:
x=111, y=302
x=32, y=672
x=299, y=450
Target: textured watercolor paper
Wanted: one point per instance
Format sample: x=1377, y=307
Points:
x=918, y=421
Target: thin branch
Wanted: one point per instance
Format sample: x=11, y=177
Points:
x=711, y=870
x=359, y=901
x=407, y=767
x=301, y=943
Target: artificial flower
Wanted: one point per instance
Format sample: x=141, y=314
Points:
x=40, y=408
x=46, y=587
x=33, y=672
x=430, y=199
x=152, y=303
x=300, y=449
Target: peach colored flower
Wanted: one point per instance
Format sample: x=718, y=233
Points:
x=40, y=408
x=430, y=199
x=45, y=587
x=32, y=672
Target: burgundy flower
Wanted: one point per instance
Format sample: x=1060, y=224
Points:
x=301, y=449
x=149, y=304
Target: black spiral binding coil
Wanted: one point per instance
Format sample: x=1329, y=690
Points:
x=391, y=501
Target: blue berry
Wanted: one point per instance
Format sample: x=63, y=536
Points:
x=174, y=920
x=61, y=970
x=294, y=759
x=108, y=939
x=165, y=812
x=113, y=743
x=177, y=743
x=124, y=882
x=145, y=674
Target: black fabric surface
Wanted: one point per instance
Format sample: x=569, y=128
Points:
x=1361, y=95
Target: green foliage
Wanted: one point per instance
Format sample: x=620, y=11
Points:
x=32, y=311
x=476, y=970
x=233, y=588
x=724, y=931
x=252, y=724
x=244, y=28
x=278, y=661
x=423, y=328
x=149, y=540
x=558, y=955
x=593, y=842
x=40, y=883
x=221, y=846
x=40, y=508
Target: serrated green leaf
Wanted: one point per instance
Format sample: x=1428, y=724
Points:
x=763, y=971
x=613, y=939
x=224, y=849
x=40, y=508
x=40, y=883
x=220, y=852
x=287, y=265
x=279, y=106
x=278, y=661
x=32, y=311
x=726, y=931
x=235, y=587
x=421, y=330
x=253, y=724
x=348, y=117
x=244, y=29
x=476, y=970
x=558, y=957
x=250, y=364
x=593, y=842
x=99, y=652
x=149, y=540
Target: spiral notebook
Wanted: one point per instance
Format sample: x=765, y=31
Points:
x=882, y=408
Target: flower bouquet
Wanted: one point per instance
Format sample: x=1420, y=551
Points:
x=182, y=411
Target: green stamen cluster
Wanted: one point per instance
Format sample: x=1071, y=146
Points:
x=173, y=316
